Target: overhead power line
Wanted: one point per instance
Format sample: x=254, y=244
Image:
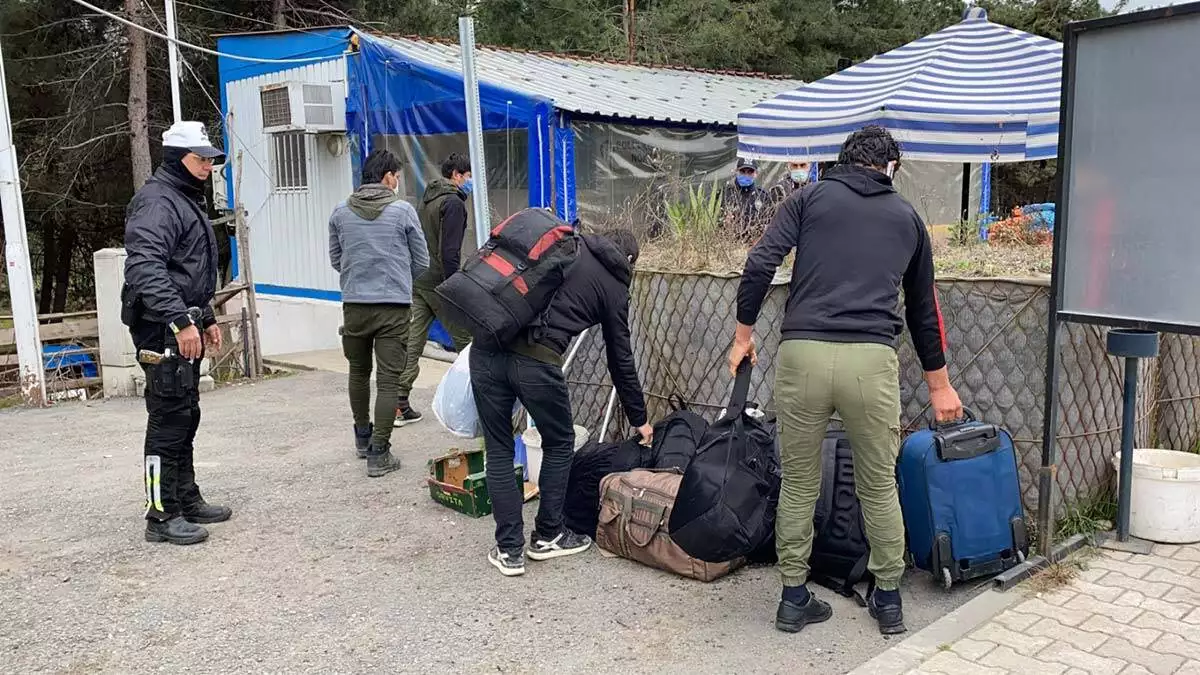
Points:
x=205, y=50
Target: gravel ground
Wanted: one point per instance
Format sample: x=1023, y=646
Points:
x=324, y=570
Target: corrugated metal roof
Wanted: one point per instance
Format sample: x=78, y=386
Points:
x=608, y=89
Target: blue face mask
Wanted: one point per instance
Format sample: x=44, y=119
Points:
x=467, y=186
x=745, y=180
x=800, y=175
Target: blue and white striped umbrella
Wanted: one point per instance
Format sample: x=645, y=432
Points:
x=974, y=92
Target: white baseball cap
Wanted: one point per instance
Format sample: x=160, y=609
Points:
x=192, y=136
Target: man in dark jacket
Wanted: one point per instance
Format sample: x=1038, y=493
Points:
x=376, y=247
x=798, y=175
x=444, y=222
x=595, y=291
x=170, y=279
x=745, y=206
x=857, y=242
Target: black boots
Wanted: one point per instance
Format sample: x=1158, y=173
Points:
x=175, y=531
x=885, y=607
x=362, y=439
x=204, y=513
x=381, y=462
x=791, y=617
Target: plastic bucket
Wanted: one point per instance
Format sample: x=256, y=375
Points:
x=533, y=449
x=1165, y=504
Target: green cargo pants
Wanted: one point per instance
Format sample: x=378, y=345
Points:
x=426, y=307
x=370, y=334
x=861, y=381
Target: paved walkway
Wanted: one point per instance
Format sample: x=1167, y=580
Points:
x=1122, y=615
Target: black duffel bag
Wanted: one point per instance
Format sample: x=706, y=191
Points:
x=678, y=437
x=725, y=507
x=594, y=461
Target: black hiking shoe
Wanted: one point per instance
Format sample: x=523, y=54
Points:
x=362, y=439
x=381, y=463
x=791, y=618
x=174, y=531
x=509, y=564
x=566, y=543
x=204, y=513
x=888, y=613
x=406, y=415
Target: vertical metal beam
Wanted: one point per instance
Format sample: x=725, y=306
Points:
x=466, y=39
x=1128, y=426
x=173, y=61
x=16, y=253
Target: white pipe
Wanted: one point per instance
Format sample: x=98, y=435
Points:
x=466, y=39
x=173, y=54
x=16, y=253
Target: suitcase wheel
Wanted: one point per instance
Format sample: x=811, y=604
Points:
x=947, y=578
x=1020, y=556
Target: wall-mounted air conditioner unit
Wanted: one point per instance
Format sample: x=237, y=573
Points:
x=299, y=106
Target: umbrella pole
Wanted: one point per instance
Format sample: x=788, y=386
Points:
x=966, y=192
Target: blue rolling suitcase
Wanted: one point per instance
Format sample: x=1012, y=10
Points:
x=961, y=497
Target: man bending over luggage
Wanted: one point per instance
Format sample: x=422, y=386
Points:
x=857, y=242
x=595, y=291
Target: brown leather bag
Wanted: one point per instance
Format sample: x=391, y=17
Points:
x=635, y=508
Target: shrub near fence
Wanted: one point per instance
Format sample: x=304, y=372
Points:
x=996, y=329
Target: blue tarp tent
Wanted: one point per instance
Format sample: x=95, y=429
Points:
x=392, y=93
x=976, y=91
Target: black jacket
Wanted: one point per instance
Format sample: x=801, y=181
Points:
x=171, y=250
x=444, y=222
x=857, y=242
x=596, y=291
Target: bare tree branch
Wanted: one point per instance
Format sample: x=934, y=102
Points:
x=95, y=139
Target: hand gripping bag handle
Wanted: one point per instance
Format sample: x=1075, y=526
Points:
x=741, y=390
x=968, y=416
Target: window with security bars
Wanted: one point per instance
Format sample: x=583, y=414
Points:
x=276, y=107
x=289, y=162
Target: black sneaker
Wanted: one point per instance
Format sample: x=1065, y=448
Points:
x=406, y=415
x=509, y=564
x=204, y=513
x=566, y=543
x=890, y=614
x=381, y=463
x=791, y=618
x=176, y=531
x=362, y=439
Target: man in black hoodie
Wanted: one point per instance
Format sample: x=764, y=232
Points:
x=857, y=242
x=170, y=279
x=595, y=291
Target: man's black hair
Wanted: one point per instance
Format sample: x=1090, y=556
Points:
x=870, y=146
x=455, y=163
x=379, y=163
x=625, y=242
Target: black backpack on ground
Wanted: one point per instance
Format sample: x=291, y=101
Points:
x=725, y=505
x=594, y=461
x=507, y=284
x=840, y=549
x=677, y=437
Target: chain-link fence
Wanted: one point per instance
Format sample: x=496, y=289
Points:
x=996, y=329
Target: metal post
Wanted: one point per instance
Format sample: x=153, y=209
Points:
x=966, y=192
x=1049, y=468
x=173, y=61
x=466, y=39
x=1128, y=426
x=608, y=414
x=16, y=253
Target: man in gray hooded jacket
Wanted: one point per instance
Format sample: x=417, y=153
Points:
x=376, y=245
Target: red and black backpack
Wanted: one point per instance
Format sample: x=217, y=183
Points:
x=507, y=284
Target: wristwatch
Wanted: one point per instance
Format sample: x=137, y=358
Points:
x=181, y=324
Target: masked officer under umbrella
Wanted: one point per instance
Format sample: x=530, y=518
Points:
x=170, y=279
x=798, y=175
x=744, y=205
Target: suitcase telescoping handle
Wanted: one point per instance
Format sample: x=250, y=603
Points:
x=968, y=416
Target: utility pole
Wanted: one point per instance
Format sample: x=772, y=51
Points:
x=466, y=41
x=16, y=253
x=173, y=60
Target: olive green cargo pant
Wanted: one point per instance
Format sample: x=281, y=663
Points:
x=426, y=306
x=375, y=334
x=861, y=381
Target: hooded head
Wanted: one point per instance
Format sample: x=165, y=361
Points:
x=380, y=185
x=188, y=155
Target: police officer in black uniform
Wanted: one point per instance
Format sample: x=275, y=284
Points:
x=170, y=279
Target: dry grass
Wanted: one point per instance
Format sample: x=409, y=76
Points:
x=974, y=260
